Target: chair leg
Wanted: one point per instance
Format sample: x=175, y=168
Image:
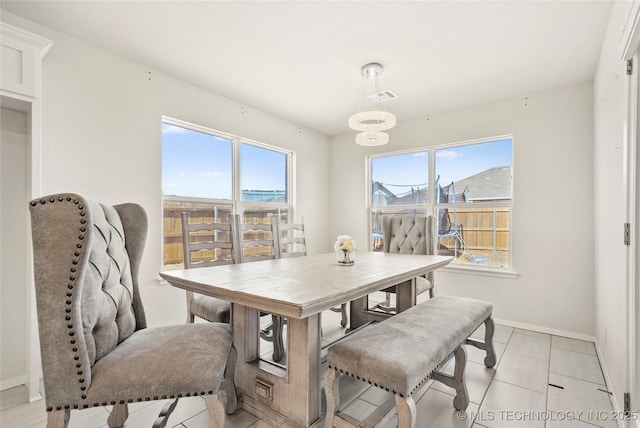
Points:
x=190, y=316
x=119, y=414
x=489, y=328
x=216, y=411
x=345, y=315
x=406, y=408
x=332, y=394
x=228, y=387
x=267, y=333
x=278, y=341
x=58, y=419
x=165, y=413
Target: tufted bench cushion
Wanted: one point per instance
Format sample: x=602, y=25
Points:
x=400, y=353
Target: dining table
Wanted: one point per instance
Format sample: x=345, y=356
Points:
x=299, y=289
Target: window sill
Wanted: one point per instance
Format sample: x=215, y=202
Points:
x=482, y=271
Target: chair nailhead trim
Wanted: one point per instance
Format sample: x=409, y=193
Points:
x=70, y=286
x=415, y=388
x=128, y=400
x=68, y=311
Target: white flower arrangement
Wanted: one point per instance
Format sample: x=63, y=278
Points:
x=344, y=243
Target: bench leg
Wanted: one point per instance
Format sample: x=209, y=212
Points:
x=332, y=393
x=487, y=344
x=461, y=400
x=489, y=328
x=406, y=408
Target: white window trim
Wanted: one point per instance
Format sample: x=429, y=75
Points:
x=236, y=202
x=431, y=206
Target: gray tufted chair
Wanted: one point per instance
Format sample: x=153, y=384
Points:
x=407, y=234
x=95, y=345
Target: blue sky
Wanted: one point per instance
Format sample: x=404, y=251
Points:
x=398, y=173
x=195, y=164
x=199, y=165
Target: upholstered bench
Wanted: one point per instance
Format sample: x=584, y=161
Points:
x=401, y=353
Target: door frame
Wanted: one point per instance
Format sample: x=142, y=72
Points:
x=631, y=185
x=28, y=90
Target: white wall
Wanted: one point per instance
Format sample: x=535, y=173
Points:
x=14, y=145
x=552, y=208
x=610, y=131
x=102, y=138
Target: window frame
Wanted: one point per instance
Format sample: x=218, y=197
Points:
x=238, y=205
x=431, y=206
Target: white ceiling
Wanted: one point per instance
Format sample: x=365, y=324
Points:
x=301, y=60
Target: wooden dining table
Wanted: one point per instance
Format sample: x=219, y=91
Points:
x=300, y=289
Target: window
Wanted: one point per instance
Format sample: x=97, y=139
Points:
x=399, y=185
x=471, y=197
x=211, y=175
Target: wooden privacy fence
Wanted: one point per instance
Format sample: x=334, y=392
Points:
x=481, y=228
x=206, y=213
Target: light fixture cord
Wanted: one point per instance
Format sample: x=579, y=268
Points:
x=361, y=95
x=377, y=86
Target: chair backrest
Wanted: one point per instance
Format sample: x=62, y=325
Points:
x=407, y=234
x=256, y=241
x=208, y=243
x=86, y=262
x=289, y=239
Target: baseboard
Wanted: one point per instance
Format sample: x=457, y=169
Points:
x=547, y=330
x=12, y=383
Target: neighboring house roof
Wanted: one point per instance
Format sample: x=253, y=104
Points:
x=380, y=188
x=493, y=183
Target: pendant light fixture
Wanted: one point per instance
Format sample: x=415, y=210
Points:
x=372, y=123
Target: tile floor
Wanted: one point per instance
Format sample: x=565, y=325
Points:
x=540, y=381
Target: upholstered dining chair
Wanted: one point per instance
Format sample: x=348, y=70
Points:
x=207, y=244
x=95, y=345
x=257, y=241
x=407, y=234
